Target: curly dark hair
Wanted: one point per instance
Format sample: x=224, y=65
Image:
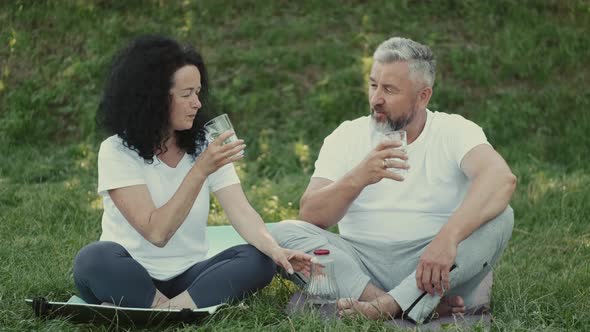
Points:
x=136, y=100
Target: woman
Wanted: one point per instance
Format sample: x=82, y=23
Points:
x=155, y=174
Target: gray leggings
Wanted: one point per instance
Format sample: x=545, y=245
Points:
x=105, y=272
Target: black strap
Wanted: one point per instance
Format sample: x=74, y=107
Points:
x=185, y=315
x=40, y=306
x=405, y=313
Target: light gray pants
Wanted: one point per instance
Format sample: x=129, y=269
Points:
x=391, y=266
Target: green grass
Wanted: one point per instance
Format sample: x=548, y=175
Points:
x=288, y=73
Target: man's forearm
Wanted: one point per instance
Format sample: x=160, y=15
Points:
x=326, y=206
x=489, y=195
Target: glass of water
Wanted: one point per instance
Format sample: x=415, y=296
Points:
x=217, y=126
x=401, y=136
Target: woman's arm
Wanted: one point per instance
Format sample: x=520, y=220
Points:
x=158, y=225
x=251, y=227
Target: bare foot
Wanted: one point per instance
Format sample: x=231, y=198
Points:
x=383, y=307
x=348, y=307
x=450, y=305
x=159, y=299
x=181, y=301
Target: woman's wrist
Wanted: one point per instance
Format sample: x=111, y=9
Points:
x=269, y=245
x=199, y=173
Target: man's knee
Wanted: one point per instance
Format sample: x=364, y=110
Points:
x=287, y=229
x=499, y=228
x=505, y=224
x=300, y=235
x=488, y=242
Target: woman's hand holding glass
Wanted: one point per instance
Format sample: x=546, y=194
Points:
x=292, y=260
x=218, y=154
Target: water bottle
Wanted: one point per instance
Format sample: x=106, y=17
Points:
x=321, y=288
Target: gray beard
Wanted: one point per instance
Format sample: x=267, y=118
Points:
x=391, y=125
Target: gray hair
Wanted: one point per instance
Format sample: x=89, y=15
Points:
x=421, y=61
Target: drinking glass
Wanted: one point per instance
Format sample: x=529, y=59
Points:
x=401, y=136
x=217, y=126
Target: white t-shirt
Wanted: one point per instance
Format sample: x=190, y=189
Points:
x=433, y=188
x=119, y=167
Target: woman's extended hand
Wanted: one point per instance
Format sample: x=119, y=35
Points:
x=292, y=260
x=217, y=154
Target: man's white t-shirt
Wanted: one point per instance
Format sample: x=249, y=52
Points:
x=119, y=167
x=433, y=188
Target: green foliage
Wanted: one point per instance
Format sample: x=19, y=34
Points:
x=288, y=73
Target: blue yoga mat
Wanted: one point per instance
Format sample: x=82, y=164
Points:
x=223, y=237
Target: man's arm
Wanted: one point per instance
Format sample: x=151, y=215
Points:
x=325, y=202
x=492, y=185
x=489, y=194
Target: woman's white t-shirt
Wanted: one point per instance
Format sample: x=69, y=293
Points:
x=433, y=188
x=119, y=166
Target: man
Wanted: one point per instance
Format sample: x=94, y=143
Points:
x=438, y=229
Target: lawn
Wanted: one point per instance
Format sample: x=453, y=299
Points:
x=287, y=73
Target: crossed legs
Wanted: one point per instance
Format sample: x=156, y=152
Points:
x=362, y=284
x=105, y=272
